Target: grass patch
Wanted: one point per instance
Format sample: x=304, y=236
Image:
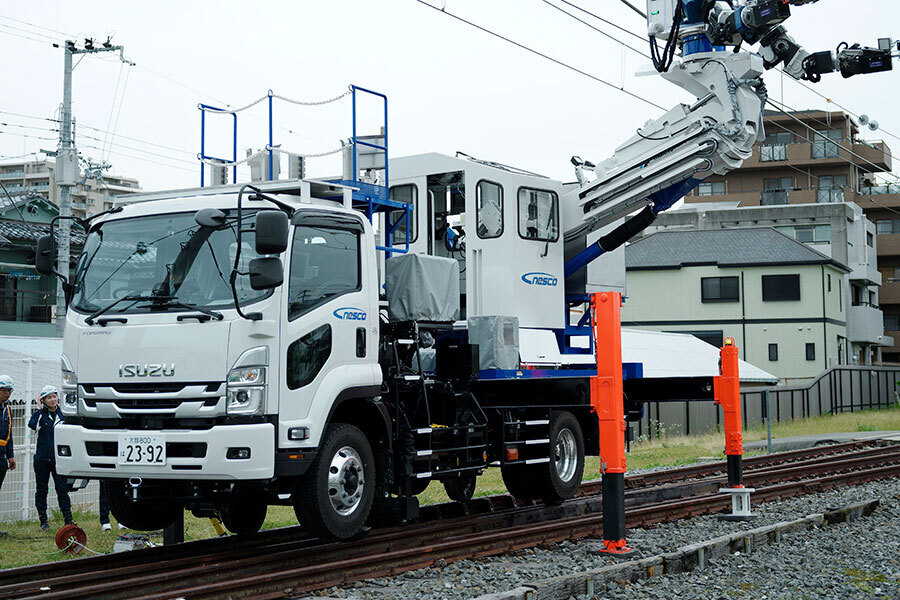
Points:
x=25, y=544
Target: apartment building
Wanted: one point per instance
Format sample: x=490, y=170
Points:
x=819, y=157
x=88, y=197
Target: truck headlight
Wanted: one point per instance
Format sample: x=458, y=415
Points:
x=68, y=396
x=246, y=391
x=69, y=379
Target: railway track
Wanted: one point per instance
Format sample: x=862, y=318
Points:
x=268, y=564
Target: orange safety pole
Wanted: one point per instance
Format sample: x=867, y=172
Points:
x=607, y=401
x=727, y=391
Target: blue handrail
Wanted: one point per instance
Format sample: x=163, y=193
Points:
x=203, y=156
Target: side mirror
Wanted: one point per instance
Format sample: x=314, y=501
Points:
x=266, y=273
x=209, y=217
x=43, y=256
x=271, y=232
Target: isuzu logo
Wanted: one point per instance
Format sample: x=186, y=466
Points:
x=147, y=370
x=348, y=313
x=537, y=278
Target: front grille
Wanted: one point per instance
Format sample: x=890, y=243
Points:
x=150, y=403
x=173, y=449
x=151, y=387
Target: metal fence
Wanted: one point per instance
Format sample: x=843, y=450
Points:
x=17, y=494
x=837, y=390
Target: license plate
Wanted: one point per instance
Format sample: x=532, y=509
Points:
x=142, y=449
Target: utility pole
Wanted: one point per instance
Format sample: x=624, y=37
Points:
x=67, y=166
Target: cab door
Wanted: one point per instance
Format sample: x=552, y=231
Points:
x=330, y=330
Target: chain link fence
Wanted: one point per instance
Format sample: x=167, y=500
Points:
x=29, y=375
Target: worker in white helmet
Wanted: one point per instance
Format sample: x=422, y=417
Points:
x=44, y=420
x=7, y=462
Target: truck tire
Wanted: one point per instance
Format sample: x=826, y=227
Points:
x=141, y=515
x=243, y=518
x=460, y=489
x=520, y=481
x=559, y=479
x=333, y=500
x=562, y=475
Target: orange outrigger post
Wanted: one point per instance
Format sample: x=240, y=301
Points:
x=607, y=400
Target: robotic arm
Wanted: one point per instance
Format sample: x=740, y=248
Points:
x=759, y=21
x=672, y=154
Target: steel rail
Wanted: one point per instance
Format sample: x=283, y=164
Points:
x=391, y=550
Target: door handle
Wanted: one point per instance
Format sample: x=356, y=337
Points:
x=360, y=342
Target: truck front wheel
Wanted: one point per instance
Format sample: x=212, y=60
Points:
x=243, y=517
x=334, y=498
x=143, y=514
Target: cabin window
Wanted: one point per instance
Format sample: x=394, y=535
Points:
x=538, y=215
x=324, y=265
x=489, y=209
x=410, y=194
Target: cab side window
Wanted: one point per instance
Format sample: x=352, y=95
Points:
x=325, y=264
x=538, y=215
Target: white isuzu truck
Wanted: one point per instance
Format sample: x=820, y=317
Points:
x=336, y=344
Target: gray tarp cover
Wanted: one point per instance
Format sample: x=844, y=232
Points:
x=422, y=288
x=497, y=338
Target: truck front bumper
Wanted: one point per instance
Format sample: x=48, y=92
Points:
x=190, y=454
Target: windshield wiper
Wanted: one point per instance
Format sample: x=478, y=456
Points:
x=132, y=298
x=166, y=302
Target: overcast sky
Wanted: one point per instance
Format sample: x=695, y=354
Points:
x=450, y=86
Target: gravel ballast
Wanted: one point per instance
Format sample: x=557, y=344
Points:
x=860, y=559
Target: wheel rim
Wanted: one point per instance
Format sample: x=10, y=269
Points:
x=346, y=481
x=566, y=455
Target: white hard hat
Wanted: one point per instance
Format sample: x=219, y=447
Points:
x=48, y=389
x=6, y=382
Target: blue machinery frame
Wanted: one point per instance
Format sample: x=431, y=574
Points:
x=368, y=197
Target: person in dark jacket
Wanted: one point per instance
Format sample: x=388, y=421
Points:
x=45, y=418
x=7, y=462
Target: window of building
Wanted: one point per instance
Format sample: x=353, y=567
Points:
x=324, y=265
x=887, y=226
x=825, y=143
x=776, y=190
x=810, y=351
x=808, y=234
x=713, y=337
x=831, y=188
x=773, y=352
x=711, y=188
x=829, y=282
x=777, y=288
x=538, y=215
x=409, y=194
x=719, y=289
x=892, y=322
x=489, y=209
x=870, y=239
x=775, y=147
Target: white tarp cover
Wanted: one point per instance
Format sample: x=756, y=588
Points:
x=422, y=288
x=661, y=354
x=497, y=338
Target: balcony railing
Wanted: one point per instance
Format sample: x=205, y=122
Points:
x=774, y=197
x=829, y=195
x=12, y=175
x=26, y=305
x=878, y=190
x=772, y=153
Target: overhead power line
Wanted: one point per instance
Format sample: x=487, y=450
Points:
x=542, y=55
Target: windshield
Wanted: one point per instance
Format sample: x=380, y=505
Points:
x=167, y=256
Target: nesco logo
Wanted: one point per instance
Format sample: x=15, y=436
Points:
x=540, y=279
x=348, y=313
